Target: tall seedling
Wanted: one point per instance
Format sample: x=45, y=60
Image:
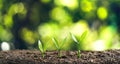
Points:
x=58, y=46
x=78, y=41
x=42, y=48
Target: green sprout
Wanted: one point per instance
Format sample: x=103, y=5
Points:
x=58, y=46
x=42, y=48
x=78, y=41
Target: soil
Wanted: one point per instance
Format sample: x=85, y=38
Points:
x=67, y=57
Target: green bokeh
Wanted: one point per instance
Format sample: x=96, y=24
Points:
x=25, y=22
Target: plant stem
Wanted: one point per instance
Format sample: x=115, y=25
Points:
x=79, y=54
x=59, y=53
x=43, y=55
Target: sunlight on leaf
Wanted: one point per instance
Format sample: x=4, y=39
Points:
x=40, y=46
x=83, y=36
x=74, y=38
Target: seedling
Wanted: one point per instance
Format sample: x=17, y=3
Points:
x=42, y=48
x=79, y=41
x=58, y=46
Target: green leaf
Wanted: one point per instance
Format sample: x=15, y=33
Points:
x=55, y=42
x=74, y=38
x=40, y=46
x=45, y=46
x=63, y=42
x=83, y=36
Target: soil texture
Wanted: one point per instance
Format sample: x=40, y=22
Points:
x=67, y=57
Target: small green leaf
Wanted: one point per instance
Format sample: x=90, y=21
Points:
x=40, y=46
x=83, y=36
x=45, y=46
x=74, y=38
x=63, y=42
x=55, y=42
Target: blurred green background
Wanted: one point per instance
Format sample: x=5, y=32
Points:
x=23, y=22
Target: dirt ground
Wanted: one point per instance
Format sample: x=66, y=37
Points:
x=67, y=57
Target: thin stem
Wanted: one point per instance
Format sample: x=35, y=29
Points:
x=59, y=52
x=43, y=55
x=79, y=54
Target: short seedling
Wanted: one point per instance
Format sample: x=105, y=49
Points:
x=58, y=46
x=78, y=41
x=42, y=48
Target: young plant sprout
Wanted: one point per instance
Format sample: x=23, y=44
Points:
x=78, y=41
x=42, y=48
x=58, y=46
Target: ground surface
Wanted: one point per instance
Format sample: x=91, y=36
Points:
x=51, y=57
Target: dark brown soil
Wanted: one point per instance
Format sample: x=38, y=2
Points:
x=51, y=57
